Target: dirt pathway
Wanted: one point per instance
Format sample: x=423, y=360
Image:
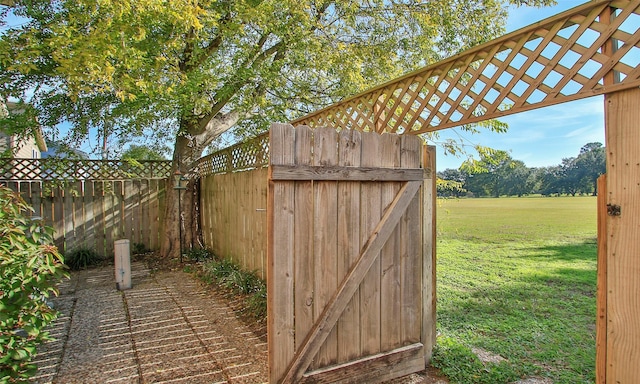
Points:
x=167, y=329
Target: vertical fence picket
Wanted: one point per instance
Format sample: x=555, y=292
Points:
x=390, y=295
x=303, y=239
x=350, y=145
x=58, y=217
x=280, y=265
x=145, y=224
x=36, y=198
x=325, y=237
x=153, y=215
x=371, y=213
x=411, y=278
x=69, y=230
x=89, y=215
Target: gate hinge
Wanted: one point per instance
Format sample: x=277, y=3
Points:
x=614, y=210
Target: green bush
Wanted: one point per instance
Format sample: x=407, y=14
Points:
x=139, y=249
x=198, y=254
x=30, y=268
x=81, y=258
x=228, y=275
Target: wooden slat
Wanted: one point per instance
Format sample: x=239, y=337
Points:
x=391, y=329
x=349, y=147
x=429, y=252
x=349, y=285
x=280, y=319
x=325, y=238
x=99, y=214
x=623, y=265
x=58, y=217
x=601, y=298
x=411, y=252
x=303, y=240
x=36, y=198
x=89, y=215
x=370, y=213
x=129, y=204
x=336, y=173
x=79, y=215
x=372, y=369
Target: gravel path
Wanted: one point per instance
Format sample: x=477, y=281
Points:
x=169, y=328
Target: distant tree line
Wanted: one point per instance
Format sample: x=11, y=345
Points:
x=497, y=174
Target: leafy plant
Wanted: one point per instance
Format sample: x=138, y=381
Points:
x=81, y=258
x=139, y=248
x=198, y=254
x=228, y=275
x=30, y=268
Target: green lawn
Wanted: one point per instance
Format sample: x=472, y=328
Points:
x=517, y=277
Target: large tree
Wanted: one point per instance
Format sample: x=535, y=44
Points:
x=189, y=70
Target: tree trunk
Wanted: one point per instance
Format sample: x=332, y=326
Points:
x=181, y=205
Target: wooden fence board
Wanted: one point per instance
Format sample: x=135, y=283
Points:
x=280, y=266
x=429, y=252
x=144, y=212
x=601, y=297
x=325, y=238
x=303, y=240
x=154, y=229
x=411, y=277
x=58, y=216
x=370, y=215
x=350, y=145
x=36, y=198
x=129, y=211
x=623, y=264
x=390, y=265
x=89, y=215
x=68, y=216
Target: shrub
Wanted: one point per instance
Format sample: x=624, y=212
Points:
x=198, y=254
x=30, y=268
x=228, y=275
x=138, y=249
x=81, y=258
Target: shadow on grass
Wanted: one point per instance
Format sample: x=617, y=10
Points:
x=586, y=250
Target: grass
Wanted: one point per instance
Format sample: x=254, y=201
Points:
x=517, y=277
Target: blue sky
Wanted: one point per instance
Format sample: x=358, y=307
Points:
x=544, y=136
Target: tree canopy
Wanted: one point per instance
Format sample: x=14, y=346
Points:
x=497, y=174
x=189, y=70
x=196, y=68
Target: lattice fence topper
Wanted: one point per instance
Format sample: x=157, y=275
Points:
x=253, y=153
x=66, y=169
x=589, y=50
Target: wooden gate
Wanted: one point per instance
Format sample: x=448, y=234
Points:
x=350, y=255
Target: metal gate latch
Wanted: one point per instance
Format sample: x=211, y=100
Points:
x=614, y=210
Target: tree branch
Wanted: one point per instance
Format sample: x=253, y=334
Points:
x=188, y=62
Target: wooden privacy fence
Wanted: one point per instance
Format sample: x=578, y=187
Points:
x=351, y=273
x=233, y=201
x=92, y=203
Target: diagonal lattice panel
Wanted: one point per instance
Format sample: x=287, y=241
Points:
x=589, y=50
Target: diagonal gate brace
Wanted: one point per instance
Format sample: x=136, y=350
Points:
x=347, y=288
